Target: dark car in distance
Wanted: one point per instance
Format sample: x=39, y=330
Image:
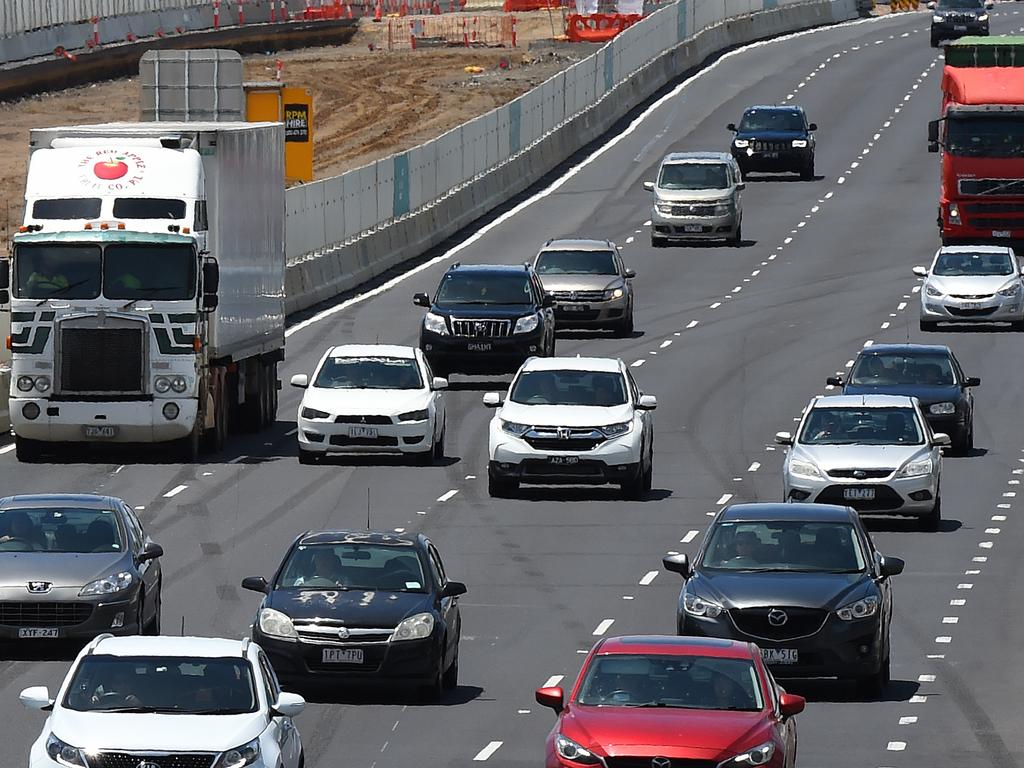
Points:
x=955, y=18
x=774, y=138
x=486, y=319
x=73, y=566
x=361, y=606
x=929, y=372
x=802, y=581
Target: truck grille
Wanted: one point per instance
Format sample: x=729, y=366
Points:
x=993, y=207
x=18, y=614
x=134, y=759
x=1007, y=187
x=101, y=360
x=481, y=329
x=799, y=622
x=1002, y=222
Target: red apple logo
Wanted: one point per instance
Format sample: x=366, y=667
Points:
x=108, y=170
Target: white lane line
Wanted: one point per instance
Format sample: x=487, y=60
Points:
x=926, y=678
x=629, y=240
x=1004, y=506
x=665, y=343
x=979, y=559
x=944, y=639
x=869, y=342
x=554, y=680
x=754, y=466
x=486, y=752
x=724, y=499
x=896, y=746
x=637, y=363
x=692, y=324
x=957, y=601
x=648, y=578
x=471, y=477
x=8, y=448
x=992, y=531
x=965, y=586
x=716, y=305
x=950, y=619
x=918, y=699
x=448, y=494
x=985, y=544
x=175, y=491
x=971, y=572
x=140, y=507
x=998, y=518
x=116, y=471
x=1009, y=494
x=237, y=459
x=908, y=720
x=603, y=627
x=291, y=432
x=690, y=536
x=885, y=325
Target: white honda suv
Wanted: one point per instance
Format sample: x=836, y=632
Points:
x=186, y=702
x=572, y=420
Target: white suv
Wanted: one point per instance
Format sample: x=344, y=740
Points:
x=572, y=420
x=188, y=702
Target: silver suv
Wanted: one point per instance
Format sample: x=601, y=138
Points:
x=697, y=197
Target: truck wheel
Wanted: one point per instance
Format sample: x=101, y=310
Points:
x=253, y=411
x=188, y=448
x=28, y=451
x=269, y=379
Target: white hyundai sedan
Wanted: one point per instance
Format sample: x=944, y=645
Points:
x=371, y=398
x=972, y=284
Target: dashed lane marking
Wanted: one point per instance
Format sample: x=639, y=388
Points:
x=486, y=752
x=448, y=494
x=175, y=491
x=603, y=627
x=648, y=578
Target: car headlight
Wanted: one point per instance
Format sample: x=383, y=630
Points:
x=1011, y=290
x=413, y=415
x=416, y=627
x=799, y=143
x=804, y=469
x=954, y=213
x=435, y=324
x=179, y=384
x=916, y=468
x=759, y=755
x=664, y=208
x=63, y=753
x=859, y=609
x=723, y=208
x=741, y=143
x=983, y=17
x=109, y=585
x=614, y=293
x=932, y=291
x=527, y=324
x=277, y=624
x=26, y=383
x=616, y=430
x=698, y=606
x=239, y=757
x=161, y=384
x=514, y=428
x=937, y=19
x=313, y=413
x=939, y=408
x=577, y=753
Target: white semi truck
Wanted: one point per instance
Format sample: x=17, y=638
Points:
x=146, y=286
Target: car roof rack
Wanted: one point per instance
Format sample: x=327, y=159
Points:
x=97, y=640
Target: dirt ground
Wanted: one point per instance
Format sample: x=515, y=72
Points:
x=368, y=103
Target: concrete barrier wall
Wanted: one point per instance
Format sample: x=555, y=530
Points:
x=349, y=229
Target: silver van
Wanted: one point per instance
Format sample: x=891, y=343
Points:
x=697, y=197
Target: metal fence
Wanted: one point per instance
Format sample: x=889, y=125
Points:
x=18, y=16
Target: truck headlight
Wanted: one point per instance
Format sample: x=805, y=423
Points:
x=277, y=624
x=939, y=408
x=239, y=757
x=799, y=143
x=527, y=324
x=64, y=754
x=954, y=213
x=804, y=469
x=161, y=385
x=117, y=582
x=179, y=384
x=435, y=324
x=415, y=627
x=42, y=383
x=859, y=609
x=26, y=383
x=918, y=468
x=741, y=143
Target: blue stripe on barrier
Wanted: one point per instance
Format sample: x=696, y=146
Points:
x=681, y=21
x=515, y=126
x=609, y=67
x=767, y=5
x=401, y=199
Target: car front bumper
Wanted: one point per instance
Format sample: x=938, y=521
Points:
x=584, y=314
x=790, y=159
x=615, y=460
x=694, y=227
x=949, y=30
x=325, y=436
x=61, y=609
x=992, y=309
x=133, y=421
x=481, y=355
x=910, y=496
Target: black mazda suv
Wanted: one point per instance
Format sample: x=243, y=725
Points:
x=774, y=139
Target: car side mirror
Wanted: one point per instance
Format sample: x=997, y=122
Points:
x=300, y=380
x=1022, y=270
x=834, y=381
x=649, y=186
x=972, y=381
x=629, y=274
x=741, y=186
x=930, y=5
x=731, y=127
x=790, y=704
x=891, y=566
x=255, y=584
x=647, y=403
x=553, y=697
x=812, y=127
x=784, y=438
x=211, y=284
x=453, y=589
x=421, y=300
x=5, y=273
x=151, y=552
x=677, y=564
x=492, y=399
x=989, y=5
x=920, y=271
x=36, y=697
x=439, y=383
x=548, y=300
x=941, y=439
x=289, y=704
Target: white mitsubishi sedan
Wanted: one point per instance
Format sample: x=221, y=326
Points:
x=371, y=398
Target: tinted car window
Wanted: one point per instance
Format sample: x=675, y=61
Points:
x=468, y=288
x=369, y=373
x=60, y=529
x=694, y=176
x=353, y=566
x=971, y=264
x=864, y=426
x=771, y=120
x=576, y=263
x=784, y=546
x=596, y=388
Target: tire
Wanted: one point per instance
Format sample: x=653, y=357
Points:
x=929, y=326
x=658, y=242
x=737, y=239
x=302, y=760
x=307, y=457
x=253, y=411
x=438, y=451
x=625, y=328
x=269, y=395
x=551, y=347
x=450, y=679
x=647, y=481
x=189, y=448
x=153, y=627
x=27, y=451
x=964, y=442
x=633, y=489
x=500, y=488
x=875, y=685
x=933, y=520
x=140, y=617
x=431, y=692
x=807, y=172
x=1017, y=326
x=215, y=440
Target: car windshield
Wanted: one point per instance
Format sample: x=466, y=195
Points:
x=469, y=288
x=351, y=565
x=986, y=136
x=576, y=263
x=861, y=426
x=884, y=370
x=662, y=680
x=694, y=176
x=165, y=684
x=784, y=545
x=369, y=373
x=60, y=529
x=947, y=5
x=596, y=388
x=757, y=120
x=973, y=264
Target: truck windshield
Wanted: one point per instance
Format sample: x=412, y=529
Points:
x=985, y=136
x=164, y=272
x=59, y=271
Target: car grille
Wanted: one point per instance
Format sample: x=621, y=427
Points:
x=325, y=632
x=384, y=441
x=969, y=296
x=800, y=622
x=481, y=329
x=101, y=360
x=885, y=498
x=959, y=312
x=17, y=614
x=134, y=759
x=771, y=146
x=959, y=18
x=861, y=473
x=579, y=295
x=693, y=210
x=645, y=762
x=564, y=439
x=362, y=419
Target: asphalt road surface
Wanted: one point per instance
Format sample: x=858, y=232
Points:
x=734, y=342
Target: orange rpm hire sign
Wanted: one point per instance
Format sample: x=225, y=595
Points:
x=297, y=116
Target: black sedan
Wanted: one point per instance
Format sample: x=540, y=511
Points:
x=929, y=372
x=802, y=581
x=361, y=606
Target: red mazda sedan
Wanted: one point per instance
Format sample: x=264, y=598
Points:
x=672, y=702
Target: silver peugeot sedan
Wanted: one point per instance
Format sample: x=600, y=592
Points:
x=874, y=453
x=972, y=284
x=73, y=566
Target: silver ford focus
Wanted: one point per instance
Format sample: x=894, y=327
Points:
x=874, y=453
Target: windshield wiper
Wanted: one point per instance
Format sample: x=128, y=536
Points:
x=159, y=289
x=140, y=710
x=61, y=291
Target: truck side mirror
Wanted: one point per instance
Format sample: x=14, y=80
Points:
x=211, y=284
x=5, y=296
x=5, y=274
x=933, y=135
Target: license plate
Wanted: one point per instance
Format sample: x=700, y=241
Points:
x=971, y=305
x=1000, y=233
x=362, y=432
x=575, y=308
x=479, y=346
x=565, y=459
x=770, y=155
x=100, y=431
x=26, y=632
x=692, y=228
x=859, y=494
x=779, y=655
x=959, y=27
x=343, y=656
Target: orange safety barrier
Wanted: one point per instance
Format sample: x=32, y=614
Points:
x=598, y=27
